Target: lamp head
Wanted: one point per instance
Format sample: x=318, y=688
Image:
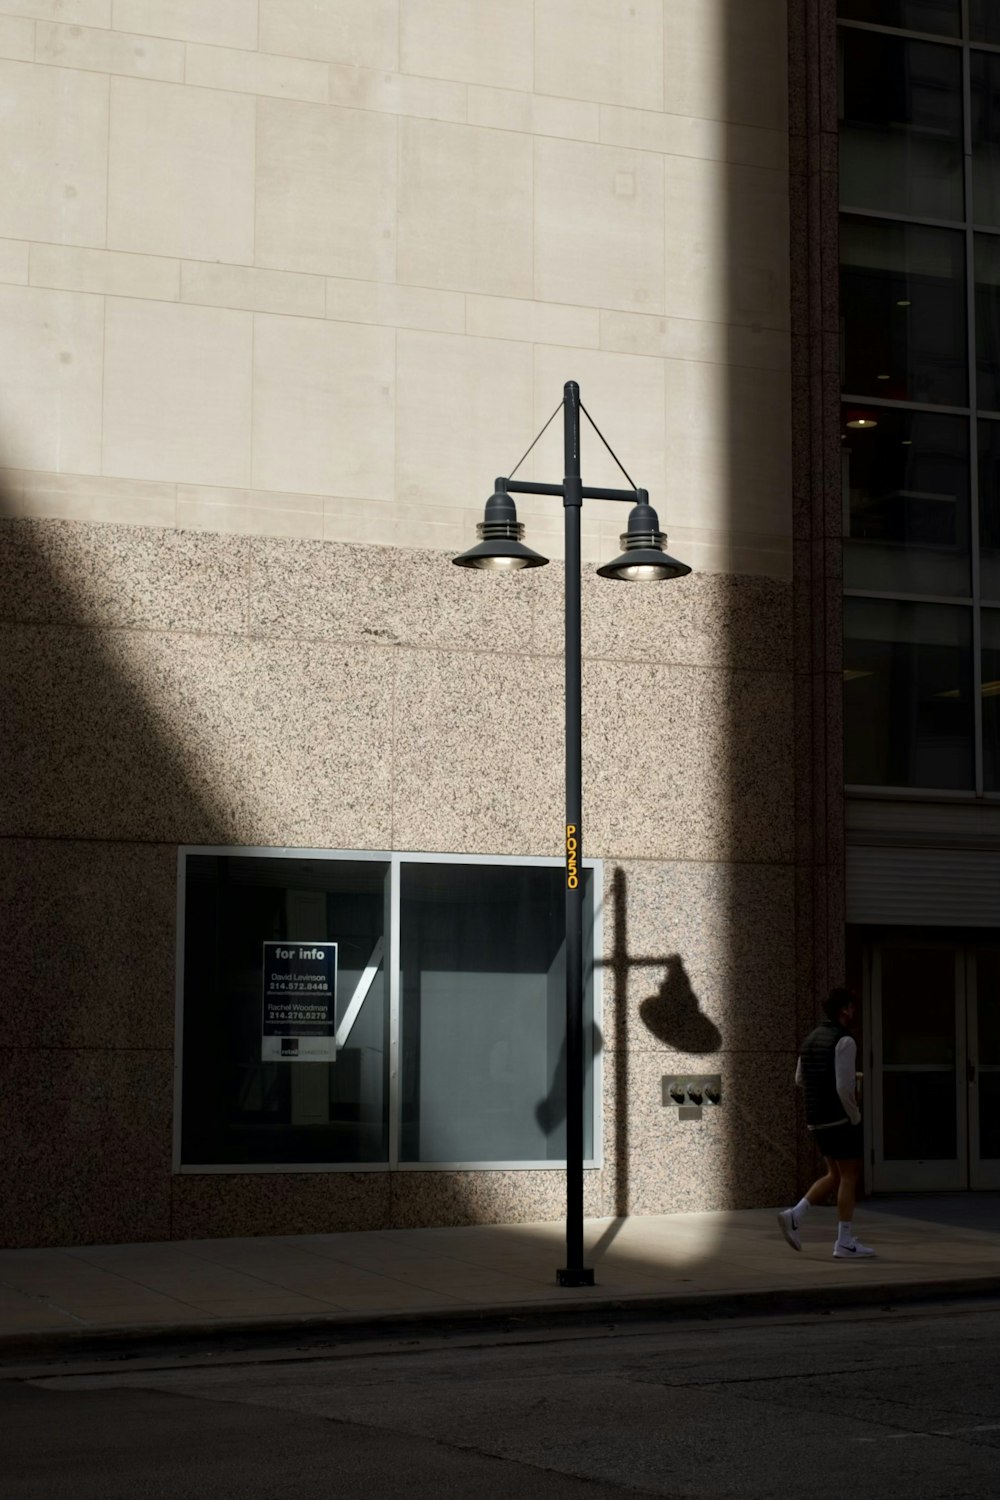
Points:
x=500, y=549
x=643, y=559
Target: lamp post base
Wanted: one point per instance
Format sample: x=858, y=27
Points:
x=574, y=1276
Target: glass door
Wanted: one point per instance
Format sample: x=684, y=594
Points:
x=918, y=1117
x=983, y=1069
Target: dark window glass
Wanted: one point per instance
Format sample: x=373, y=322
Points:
x=237, y=1108
x=902, y=303
x=989, y=509
x=942, y=17
x=483, y=1009
x=906, y=484
x=984, y=21
x=900, y=126
x=918, y=1113
x=985, y=137
x=988, y=321
x=908, y=694
x=990, y=627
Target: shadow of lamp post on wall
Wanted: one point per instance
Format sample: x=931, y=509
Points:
x=643, y=559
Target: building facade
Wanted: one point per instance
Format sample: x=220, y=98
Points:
x=285, y=284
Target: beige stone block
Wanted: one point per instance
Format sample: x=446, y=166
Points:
x=727, y=61
x=728, y=448
x=79, y=12
x=465, y=208
x=85, y=497
x=397, y=93
x=600, y=50
x=181, y=171
x=245, y=286
x=489, y=44
x=689, y=338
x=177, y=392
x=223, y=23
x=464, y=415
x=109, y=52
x=395, y=306
x=364, y=521
x=53, y=154
x=323, y=407
x=249, y=512
x=690, y=135
x=326, y=190
x=364, y=33
x=50, y=379
x=599, y=226
x=533, y=322
x=14, y=261
x=105, y=271
x=727, y=253
x=256, y=73
x=17, y=38
x=568, y=118
x=500, y=109
x=624, y=394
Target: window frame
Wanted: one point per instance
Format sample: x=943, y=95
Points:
x=395, y=859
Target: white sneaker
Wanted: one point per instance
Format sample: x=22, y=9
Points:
x=854, y=1251
x=789, y=1228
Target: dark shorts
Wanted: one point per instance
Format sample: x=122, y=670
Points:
x=840, y=1142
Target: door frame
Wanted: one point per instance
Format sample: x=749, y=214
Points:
x=983, y=1175
x=928, y=1176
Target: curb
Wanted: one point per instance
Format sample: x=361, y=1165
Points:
x=488, y=1318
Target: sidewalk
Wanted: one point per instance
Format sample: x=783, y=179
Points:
x=60, y=1298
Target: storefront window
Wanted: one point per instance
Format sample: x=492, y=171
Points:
x=483, y=1000
x=297, y=989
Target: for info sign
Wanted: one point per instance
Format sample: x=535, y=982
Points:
x=298, y=1020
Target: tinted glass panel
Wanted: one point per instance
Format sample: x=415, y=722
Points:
x=985, y=137
x=907, y=694
x=989, y=509
x=918, y=1112
x=984, y=21
x=988, y=321
x=943, y=17
x=484, y=1013
x=988, y=1006
x=990, y=626
x=918, y=1005
x=906, y=483
x=238, y=1108
x=900, y=126
x=902, y=300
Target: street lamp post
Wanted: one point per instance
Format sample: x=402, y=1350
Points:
x=500, y=549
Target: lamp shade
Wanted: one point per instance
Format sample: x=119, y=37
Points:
x=643, y=559
x=500, y=549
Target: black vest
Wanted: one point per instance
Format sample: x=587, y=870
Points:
x=819, y=1078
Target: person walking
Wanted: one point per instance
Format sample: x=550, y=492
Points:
x=826, y=1074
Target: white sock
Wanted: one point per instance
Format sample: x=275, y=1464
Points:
x=845, y=1235
x=801, y=1209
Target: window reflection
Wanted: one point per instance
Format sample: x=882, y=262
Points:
x=987, y=250
x=906, y=482
x=943, y=17
x=990, y=626
x=900, y=126
x=908, y=694
x=984, y=21
x=902, y=303
x=985, y=79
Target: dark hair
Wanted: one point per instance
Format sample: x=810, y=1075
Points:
x=837, y=1000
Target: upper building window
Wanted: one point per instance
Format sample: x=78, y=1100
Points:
x=940, y=17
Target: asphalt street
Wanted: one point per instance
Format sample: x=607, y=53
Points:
x=879, y=1404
